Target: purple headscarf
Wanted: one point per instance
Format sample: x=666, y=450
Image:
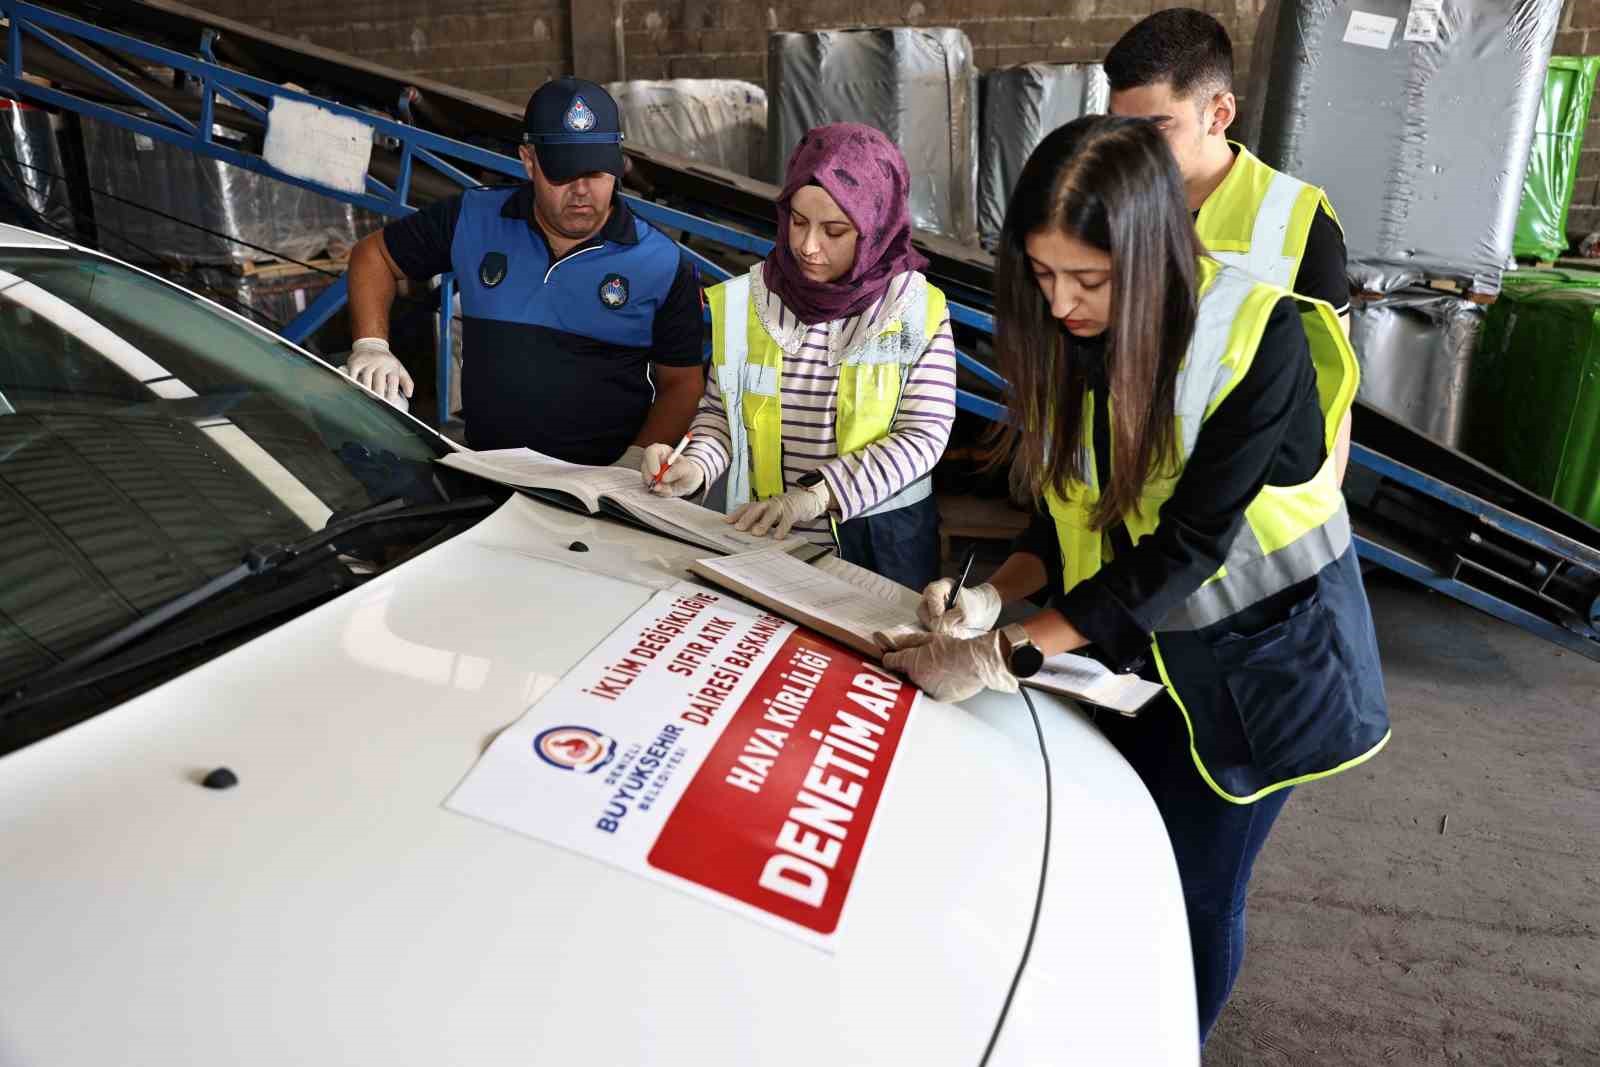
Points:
x=867, y=177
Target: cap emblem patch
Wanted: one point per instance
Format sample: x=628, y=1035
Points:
x=580, y=117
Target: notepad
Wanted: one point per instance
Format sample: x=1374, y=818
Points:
x=1090, y=681
x=841, y=600
x=615, y=491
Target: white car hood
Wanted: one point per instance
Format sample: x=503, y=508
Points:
x=330, y=910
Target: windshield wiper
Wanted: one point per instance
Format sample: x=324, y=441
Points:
x=297, y=595
x=260, y=560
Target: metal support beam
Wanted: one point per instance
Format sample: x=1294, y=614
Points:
x=331, y=301
x=110, y=77
x=1391, y=560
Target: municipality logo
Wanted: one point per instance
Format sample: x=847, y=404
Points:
x=580, y=118
x=492, y=271
x=574, y=748
x=614, y=291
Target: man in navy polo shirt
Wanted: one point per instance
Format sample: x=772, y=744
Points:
x=582, y=327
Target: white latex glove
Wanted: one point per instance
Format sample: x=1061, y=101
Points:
x=374, y=366
x=631, y=459
x=977, y=608
x=953, y=668
x=682, y=478
x=780, y=513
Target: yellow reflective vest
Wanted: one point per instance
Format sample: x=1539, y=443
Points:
x=748, y=365
x=1258, y=220
x=1289, y=533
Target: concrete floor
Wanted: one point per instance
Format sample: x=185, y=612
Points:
x=1380, y=933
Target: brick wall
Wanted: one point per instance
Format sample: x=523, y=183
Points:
x=502, y=48
x=728, y=38
x=1580, y=36
x=508, y=47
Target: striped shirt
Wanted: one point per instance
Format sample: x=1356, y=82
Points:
x=810, y=384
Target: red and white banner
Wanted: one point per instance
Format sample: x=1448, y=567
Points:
x=712, y=746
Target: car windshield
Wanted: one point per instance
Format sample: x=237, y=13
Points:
x=148, y=440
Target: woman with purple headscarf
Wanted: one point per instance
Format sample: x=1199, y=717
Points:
x=832, y=388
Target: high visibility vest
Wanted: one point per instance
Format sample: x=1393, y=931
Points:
x=748, y=365
x=1258, y=220
x=1289, y=533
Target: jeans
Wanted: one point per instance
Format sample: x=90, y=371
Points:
x=1215, y=842
x=902, y=545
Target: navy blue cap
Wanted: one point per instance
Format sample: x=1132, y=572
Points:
x=574, y=128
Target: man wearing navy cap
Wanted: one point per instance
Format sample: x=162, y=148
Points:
x=582, y=324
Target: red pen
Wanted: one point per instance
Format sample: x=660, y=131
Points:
x=673, y=458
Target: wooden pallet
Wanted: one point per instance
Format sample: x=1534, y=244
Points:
x=1456, y=288
x=977, y=518
x=268, y=269
x=1439, y=285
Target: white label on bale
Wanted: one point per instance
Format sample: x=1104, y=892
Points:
x=318, y=145
x=1369, y=30
x=1422, y=24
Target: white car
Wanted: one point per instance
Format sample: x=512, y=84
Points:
x=328, y=908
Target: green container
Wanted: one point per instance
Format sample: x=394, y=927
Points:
x=1553, y=161
x=1534, y=413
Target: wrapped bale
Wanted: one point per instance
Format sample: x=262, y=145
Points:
x=270, y=298
x=1553, y=159
x=129, y=172
x=918, y=86
x=1417, y=118
x=1416, y=350
x=1535, y=414
x=1021, y=106
x=31, y=164
x=714, y=121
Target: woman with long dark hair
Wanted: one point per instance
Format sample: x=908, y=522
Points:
x=1176, y=420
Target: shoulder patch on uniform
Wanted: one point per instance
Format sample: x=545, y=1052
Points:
x=614, y=291
x=492, y=270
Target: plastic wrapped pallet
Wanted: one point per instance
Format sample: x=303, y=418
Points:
x=1535, y=412
x=1417, y=119
x=127, y=170
x=1553, y=160
x=918, y=86
x=714, y=121
x=1021, y=105
x=270, y=298
x=30, y=160
x=1416, y=350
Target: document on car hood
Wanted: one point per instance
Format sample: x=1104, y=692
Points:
x=712, y=746
x=617, y=491
x=838, y=598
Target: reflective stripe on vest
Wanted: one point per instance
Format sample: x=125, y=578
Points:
x=1258, y=220
x=748, y=364
x=730, y=303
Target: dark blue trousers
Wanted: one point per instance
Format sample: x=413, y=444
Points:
x=1215, y=843
x=902, y=545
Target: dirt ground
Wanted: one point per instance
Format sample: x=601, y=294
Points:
x=1442, y=904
